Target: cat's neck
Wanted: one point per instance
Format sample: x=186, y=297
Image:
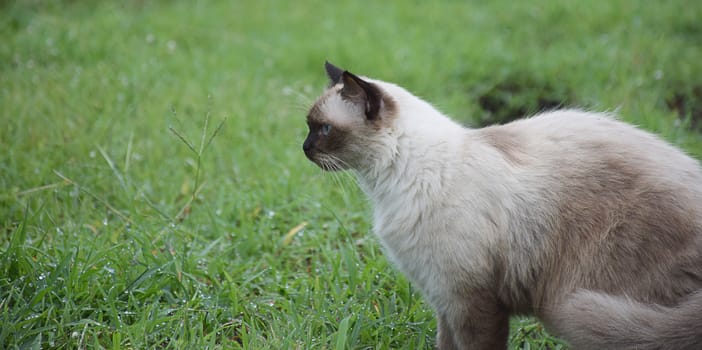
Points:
x=424, y=143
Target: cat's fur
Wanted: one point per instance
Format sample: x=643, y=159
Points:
x=588, y=223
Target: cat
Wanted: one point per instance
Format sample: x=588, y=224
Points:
x=588, y=223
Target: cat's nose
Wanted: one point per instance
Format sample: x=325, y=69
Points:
x=309, y=143
x=307, y=146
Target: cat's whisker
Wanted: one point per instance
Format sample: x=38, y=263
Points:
x=341, y=178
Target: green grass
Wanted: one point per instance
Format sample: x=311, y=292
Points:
x=130, y=220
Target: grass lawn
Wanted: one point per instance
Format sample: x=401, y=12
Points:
x=153, y=191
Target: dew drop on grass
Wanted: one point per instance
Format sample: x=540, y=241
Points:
x=31, y=317
x=104, y=221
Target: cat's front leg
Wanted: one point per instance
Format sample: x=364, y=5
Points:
x=480, y=324
x=444, y=336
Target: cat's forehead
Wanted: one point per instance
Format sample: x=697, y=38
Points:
x=331, y=108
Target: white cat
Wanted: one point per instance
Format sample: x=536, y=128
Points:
x=588, y=223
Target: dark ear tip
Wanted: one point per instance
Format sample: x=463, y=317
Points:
x=330, y=66
x=333, y=72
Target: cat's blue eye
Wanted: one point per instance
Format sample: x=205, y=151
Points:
x=326, y=128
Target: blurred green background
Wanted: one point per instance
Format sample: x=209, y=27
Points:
x=153, y=189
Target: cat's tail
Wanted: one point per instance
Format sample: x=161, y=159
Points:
x=591, y=320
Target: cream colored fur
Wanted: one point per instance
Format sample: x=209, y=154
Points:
x=573, y=216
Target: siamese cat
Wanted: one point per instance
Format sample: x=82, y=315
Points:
x=588, y=223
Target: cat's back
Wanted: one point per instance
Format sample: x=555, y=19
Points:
x=594, y=160
x=601, y=187
x=575, y=142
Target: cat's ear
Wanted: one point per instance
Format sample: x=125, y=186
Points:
x=362, y=93
x=333, y=72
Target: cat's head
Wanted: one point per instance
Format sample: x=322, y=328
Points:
x=349, y=125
